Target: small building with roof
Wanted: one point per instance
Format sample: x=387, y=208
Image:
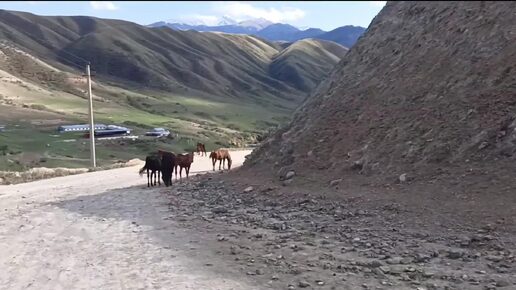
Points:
x=80, y=128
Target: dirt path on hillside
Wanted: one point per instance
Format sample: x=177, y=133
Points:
x=105, y=230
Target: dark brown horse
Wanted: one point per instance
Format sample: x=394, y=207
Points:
x=184, y=161
x=221, y=155
x=152, y=164
x=201, y=148
x=168, y=162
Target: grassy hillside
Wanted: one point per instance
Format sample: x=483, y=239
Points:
x=211, y=87
x=305, y=63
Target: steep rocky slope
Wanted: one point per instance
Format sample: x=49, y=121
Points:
x=428, y=88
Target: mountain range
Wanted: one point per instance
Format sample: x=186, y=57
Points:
x=345, y=35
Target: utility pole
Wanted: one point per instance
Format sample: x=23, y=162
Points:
x=92, y=125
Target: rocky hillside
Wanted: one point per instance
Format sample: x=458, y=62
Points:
x=430, y=87
x=182, y=62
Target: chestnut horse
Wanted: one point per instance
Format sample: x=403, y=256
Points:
x=184, y=161
x=221, y=155
x=201, y=148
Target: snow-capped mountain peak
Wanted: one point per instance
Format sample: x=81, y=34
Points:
x=225, y=20
x=258, y=23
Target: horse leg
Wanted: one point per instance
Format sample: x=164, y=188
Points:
x=159, y=181
x=187, y=171
x=213, y=160
x=223, y=163
x=148, y=178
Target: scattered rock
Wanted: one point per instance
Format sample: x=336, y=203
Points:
x=483, y=145
x=290, y=175
x=303, y=284
x=375, y=264
x=494, y=258
x=394, y=260
x=455, y=254
x=219, y=210
x=502, y=283
x=249, y=189
x=403, y=178
x=357, y=165
x=385, y=269
x=335, y=182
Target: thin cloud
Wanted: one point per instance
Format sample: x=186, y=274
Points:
x=197, y=19
x=243, y=11
x=378, y=3
x=103, y=5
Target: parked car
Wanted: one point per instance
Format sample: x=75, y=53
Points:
x=158, y=132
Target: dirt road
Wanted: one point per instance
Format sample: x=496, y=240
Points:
x=107, y=230
x=104, y=230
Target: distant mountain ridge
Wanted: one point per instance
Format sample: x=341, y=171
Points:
x=345, y=35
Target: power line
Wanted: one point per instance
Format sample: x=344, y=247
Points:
x=56, y=56
x=56, y=51
x=64, y=51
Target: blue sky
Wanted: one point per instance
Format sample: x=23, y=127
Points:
x=326, y=15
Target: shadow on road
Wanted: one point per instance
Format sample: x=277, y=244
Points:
x=145, y=212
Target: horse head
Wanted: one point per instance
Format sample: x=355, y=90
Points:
x=191, y=156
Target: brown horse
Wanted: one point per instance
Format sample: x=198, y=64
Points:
x=201, y=148
x=184, y=161
x=221, y=155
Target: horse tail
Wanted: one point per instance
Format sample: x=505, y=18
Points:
x=143, y=169
x=229, y=161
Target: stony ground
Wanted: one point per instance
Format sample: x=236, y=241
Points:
x=293, y=240
x=107, y=230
